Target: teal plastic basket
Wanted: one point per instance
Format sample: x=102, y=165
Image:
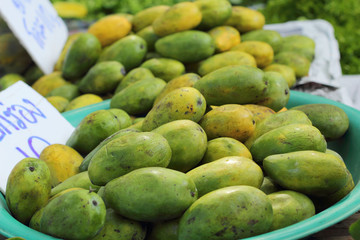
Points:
x=347, y=147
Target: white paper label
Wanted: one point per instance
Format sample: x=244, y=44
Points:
x=28, y=124
x=38, y=28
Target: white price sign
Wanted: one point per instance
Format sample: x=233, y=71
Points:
x=28, y=124
x=38, y=28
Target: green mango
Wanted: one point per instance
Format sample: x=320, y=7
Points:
x=185, y=154
x=151, y=55
x=324, y=202
x=85, y=163
x=127, y=153
x=133, y=76
x=268, y=186
x=81, y=56
x=151, y=194
x=68, y=91
x=28, y=188
x=74, y=215
x=225, y=172
x=187, y=46
x=277, y=94
x=354, y=230
x=32, y=74
x=269, y=36
x=164, y=68
x=102, y=78
x=80, y=180
x=309, y=172
x=4, y=27
x=13, y=56
x=300, y=44
x=290, y=207
x=182, y=103
x=233, y=85
x=214, y=13
x=118, y=227
x=97, y=126
x=9, y=79
x=277, y=120
x=225, y=59
x=129, y=51
x=138, y=98
x=101, y=193
x=228, y=213
x=166, y=230
x=185, y=80
x=149, y=36
x=287, y=72
x=224, y=147
x=286, y=139
x=296, y=61
x=331, y=120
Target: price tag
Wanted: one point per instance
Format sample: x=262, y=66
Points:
x=38, y=28
x=28, y=124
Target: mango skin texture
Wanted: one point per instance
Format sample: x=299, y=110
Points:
x=228, y=213
x=28, y=188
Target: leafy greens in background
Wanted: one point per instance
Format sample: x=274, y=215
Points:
x=344, y=15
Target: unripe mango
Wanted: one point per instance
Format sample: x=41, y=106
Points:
x=28, y=188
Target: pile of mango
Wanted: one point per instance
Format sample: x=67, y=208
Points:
x=197, y=143
x=161, y=43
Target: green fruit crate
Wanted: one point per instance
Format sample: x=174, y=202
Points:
x=347, y=147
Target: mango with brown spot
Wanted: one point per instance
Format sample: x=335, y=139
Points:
x=259, y=112
x=185, y=80
x=287, y=72
x=182, y=103
x=286, y=139
x=225, y=172
x=28, y=188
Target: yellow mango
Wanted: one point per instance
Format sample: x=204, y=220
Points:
x=261, y=51
x=82, y=101
x=58, y=102
x=63, y=162
x=225, y=37
x=229, y=120
x=287, y=72
x=109, y=29
x=180, y=17
x=49, y=82
x=259, y=112
x=245, y=19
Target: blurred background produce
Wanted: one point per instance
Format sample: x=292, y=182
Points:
x=343, y=15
